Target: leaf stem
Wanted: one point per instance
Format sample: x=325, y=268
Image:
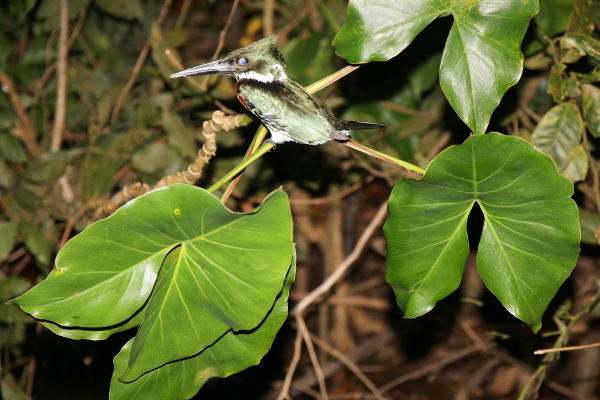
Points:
x=262, y=150
x=383, y=156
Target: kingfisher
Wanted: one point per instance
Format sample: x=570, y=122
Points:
x=288, y=111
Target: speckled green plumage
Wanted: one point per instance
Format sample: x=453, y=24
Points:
x=287, y=110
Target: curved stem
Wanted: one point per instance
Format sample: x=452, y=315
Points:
x=262, y=150
x=384, y=157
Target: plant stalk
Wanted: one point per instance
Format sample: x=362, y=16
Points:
x=231, y=174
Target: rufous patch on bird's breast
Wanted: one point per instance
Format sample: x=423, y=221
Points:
x=240, y=97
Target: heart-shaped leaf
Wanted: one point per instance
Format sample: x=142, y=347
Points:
x=474, y=84
x=530, y=238
x=128, y=248
x=225, y=276
x=232, y=353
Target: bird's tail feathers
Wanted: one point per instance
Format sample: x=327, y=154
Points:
x=357, y=125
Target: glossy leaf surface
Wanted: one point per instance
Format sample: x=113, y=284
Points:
x=230, y=354
x=473, y=83
x=530, y=237
x=225, y=276
x=106, y=273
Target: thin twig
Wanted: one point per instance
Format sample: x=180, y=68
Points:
x=73, y=221
x=268, y=17
x=437, y=364
x=567, y=348
x=407, y=110
x=351, y=366
x=27, y=131
x=325, y=286
x=348, y=261
x=61, y=93
x=285, y=389
x=31, y=375
x=183, y=14
x=138, y=66
x=77, y=29
x=221, y=39
x=134, y=74
x=329, y=199
x=301, y=326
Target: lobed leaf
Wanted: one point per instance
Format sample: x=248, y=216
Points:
x=106, y=274
x=232, y=353
x=530, y=238
x=225, y=276
x=482, y=58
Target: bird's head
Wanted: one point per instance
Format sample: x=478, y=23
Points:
x=260, y=61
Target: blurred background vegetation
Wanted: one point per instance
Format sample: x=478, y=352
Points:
x=89, y=108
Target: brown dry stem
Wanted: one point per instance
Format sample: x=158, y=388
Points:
x=25, y=132
x=61, y=94
x=138, y=66
x=219, y=122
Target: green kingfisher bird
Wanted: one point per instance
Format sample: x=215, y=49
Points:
x=288, y=111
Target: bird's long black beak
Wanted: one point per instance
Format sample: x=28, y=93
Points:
x=213, y=67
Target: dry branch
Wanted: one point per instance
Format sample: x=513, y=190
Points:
x=26, y=132
x=219, y=122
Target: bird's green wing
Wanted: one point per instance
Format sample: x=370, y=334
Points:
x=288, y=111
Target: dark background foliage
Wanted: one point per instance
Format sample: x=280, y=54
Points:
x=125, y=124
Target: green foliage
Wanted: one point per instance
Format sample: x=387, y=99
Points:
x=530, y=239
x=206, y=287
x=474, y=85
x=192, y=268
x=8, y=237
x=590, y=224
x=235, y=351
x=558, y=134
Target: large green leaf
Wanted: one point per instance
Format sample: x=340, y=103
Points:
x=105, y=274
x=232, y=353
x=530, y=238
x=558, y=135
x=306, y=70
x=481, y=60
x=226, y=276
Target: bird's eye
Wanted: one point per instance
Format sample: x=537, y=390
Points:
x=243, y=61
